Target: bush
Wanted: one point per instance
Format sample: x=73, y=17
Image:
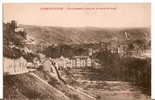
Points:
x=130, y=69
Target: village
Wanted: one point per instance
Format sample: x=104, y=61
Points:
x=82, y=60
x=86, y=67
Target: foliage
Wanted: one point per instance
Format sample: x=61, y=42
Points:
x=135, y=70
x=64, y=50
x=13, y=41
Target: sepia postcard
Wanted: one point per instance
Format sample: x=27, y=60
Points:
x=77, y=51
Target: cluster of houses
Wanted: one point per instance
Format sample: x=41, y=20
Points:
x=82, y=61
x=74, y=62
x=123, y=49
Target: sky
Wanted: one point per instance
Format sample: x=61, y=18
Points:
x=79, y=15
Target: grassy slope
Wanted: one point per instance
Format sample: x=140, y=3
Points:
x=26, y=86
x=72, y=93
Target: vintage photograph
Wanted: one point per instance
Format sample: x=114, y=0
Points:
x=77, y=51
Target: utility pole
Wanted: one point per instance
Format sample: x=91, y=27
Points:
x=14, y=63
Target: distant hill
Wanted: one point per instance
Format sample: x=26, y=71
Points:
x=70, y=35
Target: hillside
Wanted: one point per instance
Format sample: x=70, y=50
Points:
x=16, y=88
x=30, y=86
x=70, y=35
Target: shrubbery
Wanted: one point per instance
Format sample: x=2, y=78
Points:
x=134, y=70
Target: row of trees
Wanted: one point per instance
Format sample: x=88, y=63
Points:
x=83, y=49
x=64, y=50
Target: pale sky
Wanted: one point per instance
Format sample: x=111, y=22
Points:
x=67, y=15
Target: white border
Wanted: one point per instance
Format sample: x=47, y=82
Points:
x=81, y=1
x=75, y=1
x=153, y=47
x=1, y=54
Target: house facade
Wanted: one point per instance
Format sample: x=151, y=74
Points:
x=81, y=61
x=74, y=62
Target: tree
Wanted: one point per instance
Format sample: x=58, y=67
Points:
x=57, y=72
x=13, y=41
x=139, y=45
